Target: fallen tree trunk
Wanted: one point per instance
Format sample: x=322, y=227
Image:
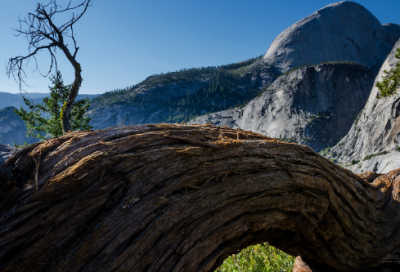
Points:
x=185, y=197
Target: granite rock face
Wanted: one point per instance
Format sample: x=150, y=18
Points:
x=373, y=142
x=340, y=31
x=313, y=105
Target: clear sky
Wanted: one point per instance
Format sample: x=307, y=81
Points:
x=124, y=41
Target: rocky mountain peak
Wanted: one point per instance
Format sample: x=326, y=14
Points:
x=340, y=31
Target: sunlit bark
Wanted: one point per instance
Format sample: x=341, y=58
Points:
x=183, y=198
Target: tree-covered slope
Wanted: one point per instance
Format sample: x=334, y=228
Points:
x=182, y=95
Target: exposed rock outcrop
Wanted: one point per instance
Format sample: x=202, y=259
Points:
x=374, y=139
x=340, y=31
x=313, y=105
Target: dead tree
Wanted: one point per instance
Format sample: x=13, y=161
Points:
x=42, y=34
x=183, y=198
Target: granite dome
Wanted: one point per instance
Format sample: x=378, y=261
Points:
x=340, y=31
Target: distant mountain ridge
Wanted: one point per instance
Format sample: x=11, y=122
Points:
x=11, y=99
x=15, y=100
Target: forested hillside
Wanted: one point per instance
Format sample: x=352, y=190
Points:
x=183, y=95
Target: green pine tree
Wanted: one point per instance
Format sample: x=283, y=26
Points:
x=45, y=118
x=391, y=80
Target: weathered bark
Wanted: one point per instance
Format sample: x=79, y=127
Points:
x=73, y=93
x=183, y=198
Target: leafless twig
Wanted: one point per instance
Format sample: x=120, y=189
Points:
x=42, y=34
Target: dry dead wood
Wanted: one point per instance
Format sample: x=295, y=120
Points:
x=184, y=197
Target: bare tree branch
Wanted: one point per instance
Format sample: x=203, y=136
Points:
x=40, y=28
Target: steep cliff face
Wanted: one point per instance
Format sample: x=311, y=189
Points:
x=340, y=31
x=12, y=128
x=374, y=139
x=313, y=105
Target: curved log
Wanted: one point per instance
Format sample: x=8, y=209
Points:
x=184, y=197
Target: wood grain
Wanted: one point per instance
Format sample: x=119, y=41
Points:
x=183, y=198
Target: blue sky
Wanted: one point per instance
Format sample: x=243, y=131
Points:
x=123, y=42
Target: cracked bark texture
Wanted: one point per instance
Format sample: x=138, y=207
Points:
x=183, y=198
